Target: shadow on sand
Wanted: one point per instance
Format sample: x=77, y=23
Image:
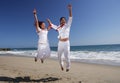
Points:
x=27, y=79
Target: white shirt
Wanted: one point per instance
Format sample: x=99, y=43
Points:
x=42, y=36
x=64, y=30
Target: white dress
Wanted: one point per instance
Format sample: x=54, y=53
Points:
x=43, y=50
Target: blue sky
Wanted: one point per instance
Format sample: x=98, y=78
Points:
x=94, y=21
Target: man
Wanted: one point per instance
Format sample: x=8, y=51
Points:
x=64, y=44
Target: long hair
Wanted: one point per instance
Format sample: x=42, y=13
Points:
x=39, y=23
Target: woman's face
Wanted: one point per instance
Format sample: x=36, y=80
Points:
x=43, y=25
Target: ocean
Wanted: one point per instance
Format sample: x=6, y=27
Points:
x=97, y=54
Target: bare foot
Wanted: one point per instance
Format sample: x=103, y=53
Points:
x=62, y=68
x=67, y=70
x=42, y=61
x=35, y=59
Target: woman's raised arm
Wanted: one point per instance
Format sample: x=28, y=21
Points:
x=36, y=20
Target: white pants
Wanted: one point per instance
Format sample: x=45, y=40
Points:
x=43, y=50
x=64, y=47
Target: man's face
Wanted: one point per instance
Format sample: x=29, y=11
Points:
x=63, y=21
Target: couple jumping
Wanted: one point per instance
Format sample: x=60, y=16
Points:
x=63, y=45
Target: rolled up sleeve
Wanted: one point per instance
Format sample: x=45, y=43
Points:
x=54, y=26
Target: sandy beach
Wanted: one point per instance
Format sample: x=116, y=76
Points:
x=24, y=70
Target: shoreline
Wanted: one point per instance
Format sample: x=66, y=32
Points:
x=26, y=70
x=55, y=58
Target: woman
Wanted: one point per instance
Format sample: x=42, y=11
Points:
x=43, y=50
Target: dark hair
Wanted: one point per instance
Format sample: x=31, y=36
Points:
x=62, y=18
x=40, y=23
